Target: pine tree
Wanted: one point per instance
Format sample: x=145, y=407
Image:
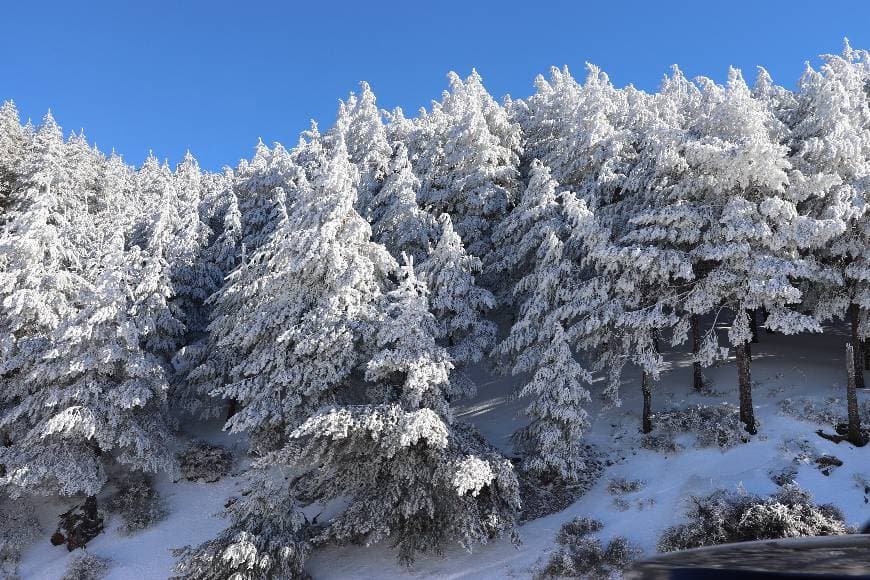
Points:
x=193, y=279
x=291, y=319
x=268, y=537
x=95, y=396
x=831, y=140
x=397, y=220
x=517, y=238
x=756, y=241
x=552, y=441
x=409, y=362
x=457, y=301
x=411, y=474
x=469, y=163
x=13, y=143
x=410, y=479
x=362, y=128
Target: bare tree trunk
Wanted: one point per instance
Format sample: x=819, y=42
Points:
x=753, y=324
x=645, y=386
x=855, y=316
x=866, y=349
x=854, y=432
x=747, y=413
x=232, y=408
x=697, y=375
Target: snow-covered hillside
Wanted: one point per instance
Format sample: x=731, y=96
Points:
x=785, y=367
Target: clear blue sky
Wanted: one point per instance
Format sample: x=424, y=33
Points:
x=214, y=76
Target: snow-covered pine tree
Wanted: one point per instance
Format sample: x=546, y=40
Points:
x=291, y=320
x=673, y=216
x=116, y=210
x=756, y=240
x=268, y=537
x=225, y=252
x=38, y=289
x=411, y=476
x=831, y=140
x=397, y=220
x=517, y=238
x=193, y=277
x=94, y=396
x=262, y=187
x=545, y=118
x=409, y=366
x=155, y=234
x=42, y=167
x=362, y=128
x=469, y=160
x=459, y=304
x=584, y=134
x=13, y=143
x=537, y=295
x=552, y=443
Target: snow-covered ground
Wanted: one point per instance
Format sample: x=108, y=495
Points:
x=797, y=366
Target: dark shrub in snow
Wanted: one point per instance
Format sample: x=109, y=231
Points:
x=138, y=503
x=727, y=516
x=79, y=525
x=204, y=462
x=581, y=554
x=86, y=567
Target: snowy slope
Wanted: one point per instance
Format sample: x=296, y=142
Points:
x=807, y=365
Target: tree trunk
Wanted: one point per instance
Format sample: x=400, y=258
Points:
x=747, y=414
x=646, y=423
x=697, y=375
x=855, y=316
x=753, y=324
x=866, y=349
x=854, y=432
x=232, y=408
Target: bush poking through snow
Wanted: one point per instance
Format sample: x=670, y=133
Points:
x=19, y=528
x=582, y=555
x=619, y=486
x=727, y=516
x=86, y=567
x=138, y=503
x=205, y=463
x=713, y=426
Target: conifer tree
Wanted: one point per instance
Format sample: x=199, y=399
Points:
x=468, y=160
x=517, y=238
x=13, y=141
x=94, y=396
x=456, y=299
x=291, y=319
x=831, y=138
x=397, y=220
x=408, y=350
x=552, y=442
x=368, y=147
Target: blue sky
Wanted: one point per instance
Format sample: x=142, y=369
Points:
x=214, y=76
